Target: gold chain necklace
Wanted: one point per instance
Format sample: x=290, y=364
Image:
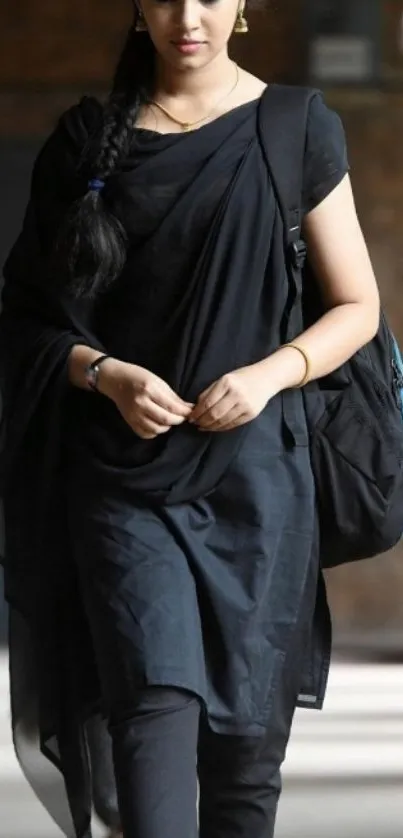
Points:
x=187, y=126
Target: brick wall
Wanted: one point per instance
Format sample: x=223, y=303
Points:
x=51, y=52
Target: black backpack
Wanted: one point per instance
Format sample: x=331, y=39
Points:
x=354, y=415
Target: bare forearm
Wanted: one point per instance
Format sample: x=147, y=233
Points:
x=330, y=342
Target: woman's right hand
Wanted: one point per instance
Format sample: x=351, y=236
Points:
x=147, y=403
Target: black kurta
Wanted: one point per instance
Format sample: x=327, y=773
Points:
x=196, y=553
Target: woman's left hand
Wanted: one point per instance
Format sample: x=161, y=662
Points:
x=233, y=400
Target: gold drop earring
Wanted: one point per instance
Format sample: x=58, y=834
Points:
x=241, y=24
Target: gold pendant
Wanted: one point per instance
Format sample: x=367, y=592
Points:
x=186, y=126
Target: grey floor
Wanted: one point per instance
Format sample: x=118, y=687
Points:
x=343, y=776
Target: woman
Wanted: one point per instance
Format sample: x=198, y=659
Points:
x=147, y=453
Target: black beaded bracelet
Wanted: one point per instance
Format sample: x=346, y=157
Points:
x=92, y=371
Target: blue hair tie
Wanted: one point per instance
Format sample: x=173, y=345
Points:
x=96, y=185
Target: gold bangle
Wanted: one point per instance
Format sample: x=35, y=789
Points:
x=306, y=359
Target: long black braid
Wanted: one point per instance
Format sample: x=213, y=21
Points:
x=92, y=242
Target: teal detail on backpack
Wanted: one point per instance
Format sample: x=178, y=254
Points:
x=398, y=371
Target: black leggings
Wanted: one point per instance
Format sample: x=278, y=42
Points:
x=162, y=745
x=165, y=744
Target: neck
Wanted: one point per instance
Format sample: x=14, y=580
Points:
x=193, y=83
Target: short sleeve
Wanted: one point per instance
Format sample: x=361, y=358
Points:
x=325, y=162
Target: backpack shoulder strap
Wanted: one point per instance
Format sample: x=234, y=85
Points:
x=282, y=129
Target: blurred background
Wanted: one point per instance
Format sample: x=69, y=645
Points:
x=344, y=769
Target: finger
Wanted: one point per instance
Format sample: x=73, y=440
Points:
x=147, y=428
x=243, y=419
x=160, y=416
x=165, y=389
x=204, y=394
x=219, y=412
x=172, y=403
x=159, y=391
x=205, y=404
x=230, y=421
x=149, y=434
x=150, y=399
x=141, y=432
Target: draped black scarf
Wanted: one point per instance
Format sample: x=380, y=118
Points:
x=188, y=305
x=196, y=300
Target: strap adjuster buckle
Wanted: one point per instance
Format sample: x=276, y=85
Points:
x=298, y=254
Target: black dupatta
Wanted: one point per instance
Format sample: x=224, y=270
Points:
x=195, y=300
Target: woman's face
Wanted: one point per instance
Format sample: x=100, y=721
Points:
x=189, y=33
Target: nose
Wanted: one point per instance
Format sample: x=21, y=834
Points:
x=189, y=14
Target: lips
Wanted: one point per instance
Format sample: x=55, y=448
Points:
x=187, y=47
